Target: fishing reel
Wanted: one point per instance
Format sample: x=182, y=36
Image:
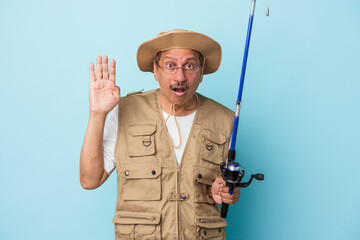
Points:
x=232, y=175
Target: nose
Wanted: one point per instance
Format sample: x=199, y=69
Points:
x=180, y=76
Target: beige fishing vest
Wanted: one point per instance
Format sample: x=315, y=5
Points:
x=157, y=198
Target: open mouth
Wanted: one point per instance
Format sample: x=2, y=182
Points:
x=179, y=90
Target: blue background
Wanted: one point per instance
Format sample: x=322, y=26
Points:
x=299, y=121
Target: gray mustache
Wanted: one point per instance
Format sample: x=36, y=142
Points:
x=176, y=85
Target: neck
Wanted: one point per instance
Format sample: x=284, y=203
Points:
x=180, y=110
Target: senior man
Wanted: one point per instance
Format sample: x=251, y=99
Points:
x=165, y=144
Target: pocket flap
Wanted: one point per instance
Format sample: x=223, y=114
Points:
x=206, y=175
x=143, y=170
x=210, y=222
x=124, y=217
x=204, y=181
x=125, y=229
x=214, y=136
x=145, y=230
x=141, y=129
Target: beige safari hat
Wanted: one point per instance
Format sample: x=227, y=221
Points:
x=179, y=38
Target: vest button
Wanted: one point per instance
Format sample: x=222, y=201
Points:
x=153, y=172
x=183, y=196
x=126, y=173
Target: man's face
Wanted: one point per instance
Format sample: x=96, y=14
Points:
x=178, y=88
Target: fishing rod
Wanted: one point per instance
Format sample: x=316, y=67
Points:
x=230, y=169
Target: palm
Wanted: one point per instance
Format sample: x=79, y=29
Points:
x=103, y=93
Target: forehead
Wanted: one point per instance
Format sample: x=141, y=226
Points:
x=180, y=54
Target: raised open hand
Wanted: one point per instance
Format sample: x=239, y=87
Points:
x=103, y=93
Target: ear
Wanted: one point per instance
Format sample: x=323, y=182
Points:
x=202, y=71
x=201, y=78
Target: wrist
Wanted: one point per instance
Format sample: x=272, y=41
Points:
x=97, y=116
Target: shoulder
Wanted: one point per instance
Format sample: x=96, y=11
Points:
x=215, y=117
x=139, y=97
x=138, y=104
x=210, y=105
x=139, y=94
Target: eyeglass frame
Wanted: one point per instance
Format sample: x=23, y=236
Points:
x=176, y=69
x=201, y=65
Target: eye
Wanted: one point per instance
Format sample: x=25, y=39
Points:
x=170, y=66
x=189, y=66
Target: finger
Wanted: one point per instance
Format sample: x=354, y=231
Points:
x=98, y=68
x=231, y=197
x=112, y=70
x=216, y=187
x=219, y=181
x=91, y=73
x=236, y=194
x=229, y=201
x=222, y=181
x=225, y=189
x=116, y=92
x=105, y=68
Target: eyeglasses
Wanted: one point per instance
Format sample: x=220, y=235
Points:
x=171, y=68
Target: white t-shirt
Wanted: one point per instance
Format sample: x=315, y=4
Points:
x=110, y=133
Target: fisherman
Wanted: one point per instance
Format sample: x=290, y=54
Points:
x=165, y=144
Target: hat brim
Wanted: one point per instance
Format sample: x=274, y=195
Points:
x=210, y=49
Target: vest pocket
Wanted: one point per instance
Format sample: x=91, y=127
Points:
x=137, y=225
x=141, y=140
x=210, y=227
x=212, y=146
x=203, y=179
x=140, y=181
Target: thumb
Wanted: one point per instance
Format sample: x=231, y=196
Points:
x=218, y=184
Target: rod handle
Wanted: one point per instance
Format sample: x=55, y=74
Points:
x=224, y=209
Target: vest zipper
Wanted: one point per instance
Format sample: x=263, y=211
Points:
x=151, y=218
x=178, y=192
x=179, y=165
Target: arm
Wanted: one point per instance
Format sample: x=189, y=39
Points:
x=104, y=95
x=220, y=192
